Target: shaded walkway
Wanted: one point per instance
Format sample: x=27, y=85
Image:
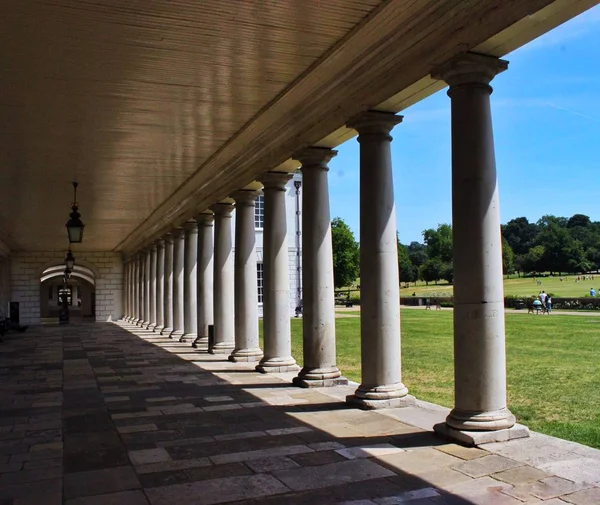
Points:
x=99, y=415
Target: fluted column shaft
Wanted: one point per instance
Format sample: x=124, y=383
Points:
x=223, y=281
x=178, y=283
x=245, y=290
x=153, y=258
x=276, y=284
x=318, y=317
x=479, y=334
x=205, y=271
x=381, y=385
x=190, y=324
x=160, y=285
x=168, y=298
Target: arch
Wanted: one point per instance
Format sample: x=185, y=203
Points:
x=80, y=275
x=60, y=262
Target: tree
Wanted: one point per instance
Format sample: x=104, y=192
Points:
x=578, y=220
x=520, y=234
x=508, y=258
x=448, y=272
x=417, y=253
x=532, y=260
x=439, y=242
x=407, y=271
x=346, y=254
x=432, y=270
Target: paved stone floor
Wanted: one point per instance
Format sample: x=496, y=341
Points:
x=107, y=414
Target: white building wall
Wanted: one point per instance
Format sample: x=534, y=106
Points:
x=4, y=286
x=293, y=240
x=27, y=267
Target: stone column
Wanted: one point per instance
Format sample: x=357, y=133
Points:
x=130, y=305
x=152, y=319
x=190, y=323
x=479, y=348
x=381, y=385
x=147, y=283
x=137, y=292
x=246, y=289
x=160, y=285
x=205, y=271
x=178, y=294
x=168, y=299
x=318, y=317
x=276, y=284
x=223, y=281
x=125, y=290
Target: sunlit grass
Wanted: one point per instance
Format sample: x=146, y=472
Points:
x=553, y=366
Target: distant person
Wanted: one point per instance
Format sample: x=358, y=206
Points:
x=549, y=304
x=592, y=292
x=542, y=297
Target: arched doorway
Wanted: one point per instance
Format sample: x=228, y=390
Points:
x=82, y=293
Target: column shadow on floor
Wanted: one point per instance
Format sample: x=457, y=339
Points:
x=136, y=418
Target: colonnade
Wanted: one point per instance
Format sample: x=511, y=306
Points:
x=189, y=279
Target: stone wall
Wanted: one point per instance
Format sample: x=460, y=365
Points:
x=4, y=286
x=27, y=267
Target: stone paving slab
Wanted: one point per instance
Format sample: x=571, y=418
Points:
x=108, y=414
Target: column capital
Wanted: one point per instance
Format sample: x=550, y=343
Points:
x=205, y=219
x=160, y=243
x=191, y=226
x=245, y=197
x=222, y=209
x=152, y=246
x=374, y=122
x=177, y=233
x=275, y=180
x=317, y=157
x=168, y=238
x=469, y=68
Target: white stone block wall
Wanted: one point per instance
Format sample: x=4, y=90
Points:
x=27, y=267
x=4, y=286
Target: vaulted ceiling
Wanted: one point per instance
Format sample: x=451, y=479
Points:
x=161, y=107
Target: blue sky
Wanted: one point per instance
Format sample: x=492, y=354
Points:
x=546, y=112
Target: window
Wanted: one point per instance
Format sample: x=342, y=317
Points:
x=259, y=281
x=259, y=212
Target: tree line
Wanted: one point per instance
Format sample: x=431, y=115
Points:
x=552, y=244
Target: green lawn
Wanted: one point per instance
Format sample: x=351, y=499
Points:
x=553, y=366
x=515, y=286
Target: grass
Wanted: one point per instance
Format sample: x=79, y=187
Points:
x=515, y=286
x=553, y=366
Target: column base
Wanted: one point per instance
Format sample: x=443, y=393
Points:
x=144, y=324
x=188, y=336
x=320, y=378
x=246, y=355
x=200, y=341
x=221, y=348
x=151, y=327
x=473, y=438
x=277, y=365
x=176, y=334
x=158, y=329
x=166, y=331
x=386, y=396
x=492, y=420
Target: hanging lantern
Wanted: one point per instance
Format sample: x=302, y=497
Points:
x=75, y=225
